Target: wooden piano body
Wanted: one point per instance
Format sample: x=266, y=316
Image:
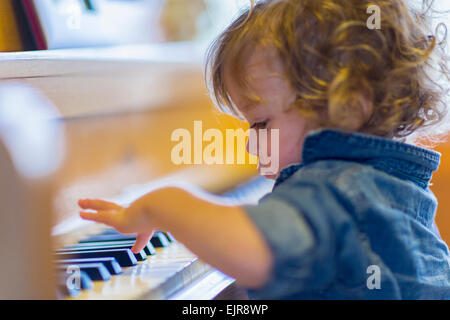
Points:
x=118, y=107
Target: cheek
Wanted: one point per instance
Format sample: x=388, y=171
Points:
x=291, y=144
x=290, y=150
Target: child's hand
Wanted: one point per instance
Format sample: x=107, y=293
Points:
x=123, y=219
x=221, y=235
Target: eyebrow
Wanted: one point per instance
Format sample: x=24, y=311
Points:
x=251, y=102
x=249, y=109
x=248, y=106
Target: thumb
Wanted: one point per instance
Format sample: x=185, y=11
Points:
x=142, y=240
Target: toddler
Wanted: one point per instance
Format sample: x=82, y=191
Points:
x=351, y=215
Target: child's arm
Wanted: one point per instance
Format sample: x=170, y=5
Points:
x=223, y=236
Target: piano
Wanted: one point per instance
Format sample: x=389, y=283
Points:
x=97, y=123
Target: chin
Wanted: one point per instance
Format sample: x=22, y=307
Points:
x=270, y=176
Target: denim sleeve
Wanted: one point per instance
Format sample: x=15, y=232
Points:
x=301, y=224
x=289, y=238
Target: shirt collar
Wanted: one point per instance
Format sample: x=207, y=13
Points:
x=402, y=160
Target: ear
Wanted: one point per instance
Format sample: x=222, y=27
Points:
x=352, y=114
x=366, y=107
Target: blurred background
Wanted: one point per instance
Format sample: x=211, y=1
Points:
x=117, y=77
x=55, y=24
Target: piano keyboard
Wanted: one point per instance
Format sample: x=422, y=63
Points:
x=164, y=269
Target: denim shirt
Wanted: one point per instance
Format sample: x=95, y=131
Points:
x=354, y=220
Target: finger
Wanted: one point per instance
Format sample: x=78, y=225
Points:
x=97, y=204
x=141, y=241
x=106, y=217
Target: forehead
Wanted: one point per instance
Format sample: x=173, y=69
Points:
x=262, y=63
x=255, y=77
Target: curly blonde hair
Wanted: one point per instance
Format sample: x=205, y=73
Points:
x=333, y=60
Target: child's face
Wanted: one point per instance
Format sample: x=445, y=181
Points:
x=273, y=111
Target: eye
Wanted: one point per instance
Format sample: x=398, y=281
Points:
x=259, y=125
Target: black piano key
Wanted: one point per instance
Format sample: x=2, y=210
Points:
x=140, y=256
x=110, y=263
x=99, y=243
x=124, y=257
x=112, y=231
x=169, y=236
x=108, y=237
x=148, y=249
x=116, y=238
x=159, y=240
x=95, y=271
